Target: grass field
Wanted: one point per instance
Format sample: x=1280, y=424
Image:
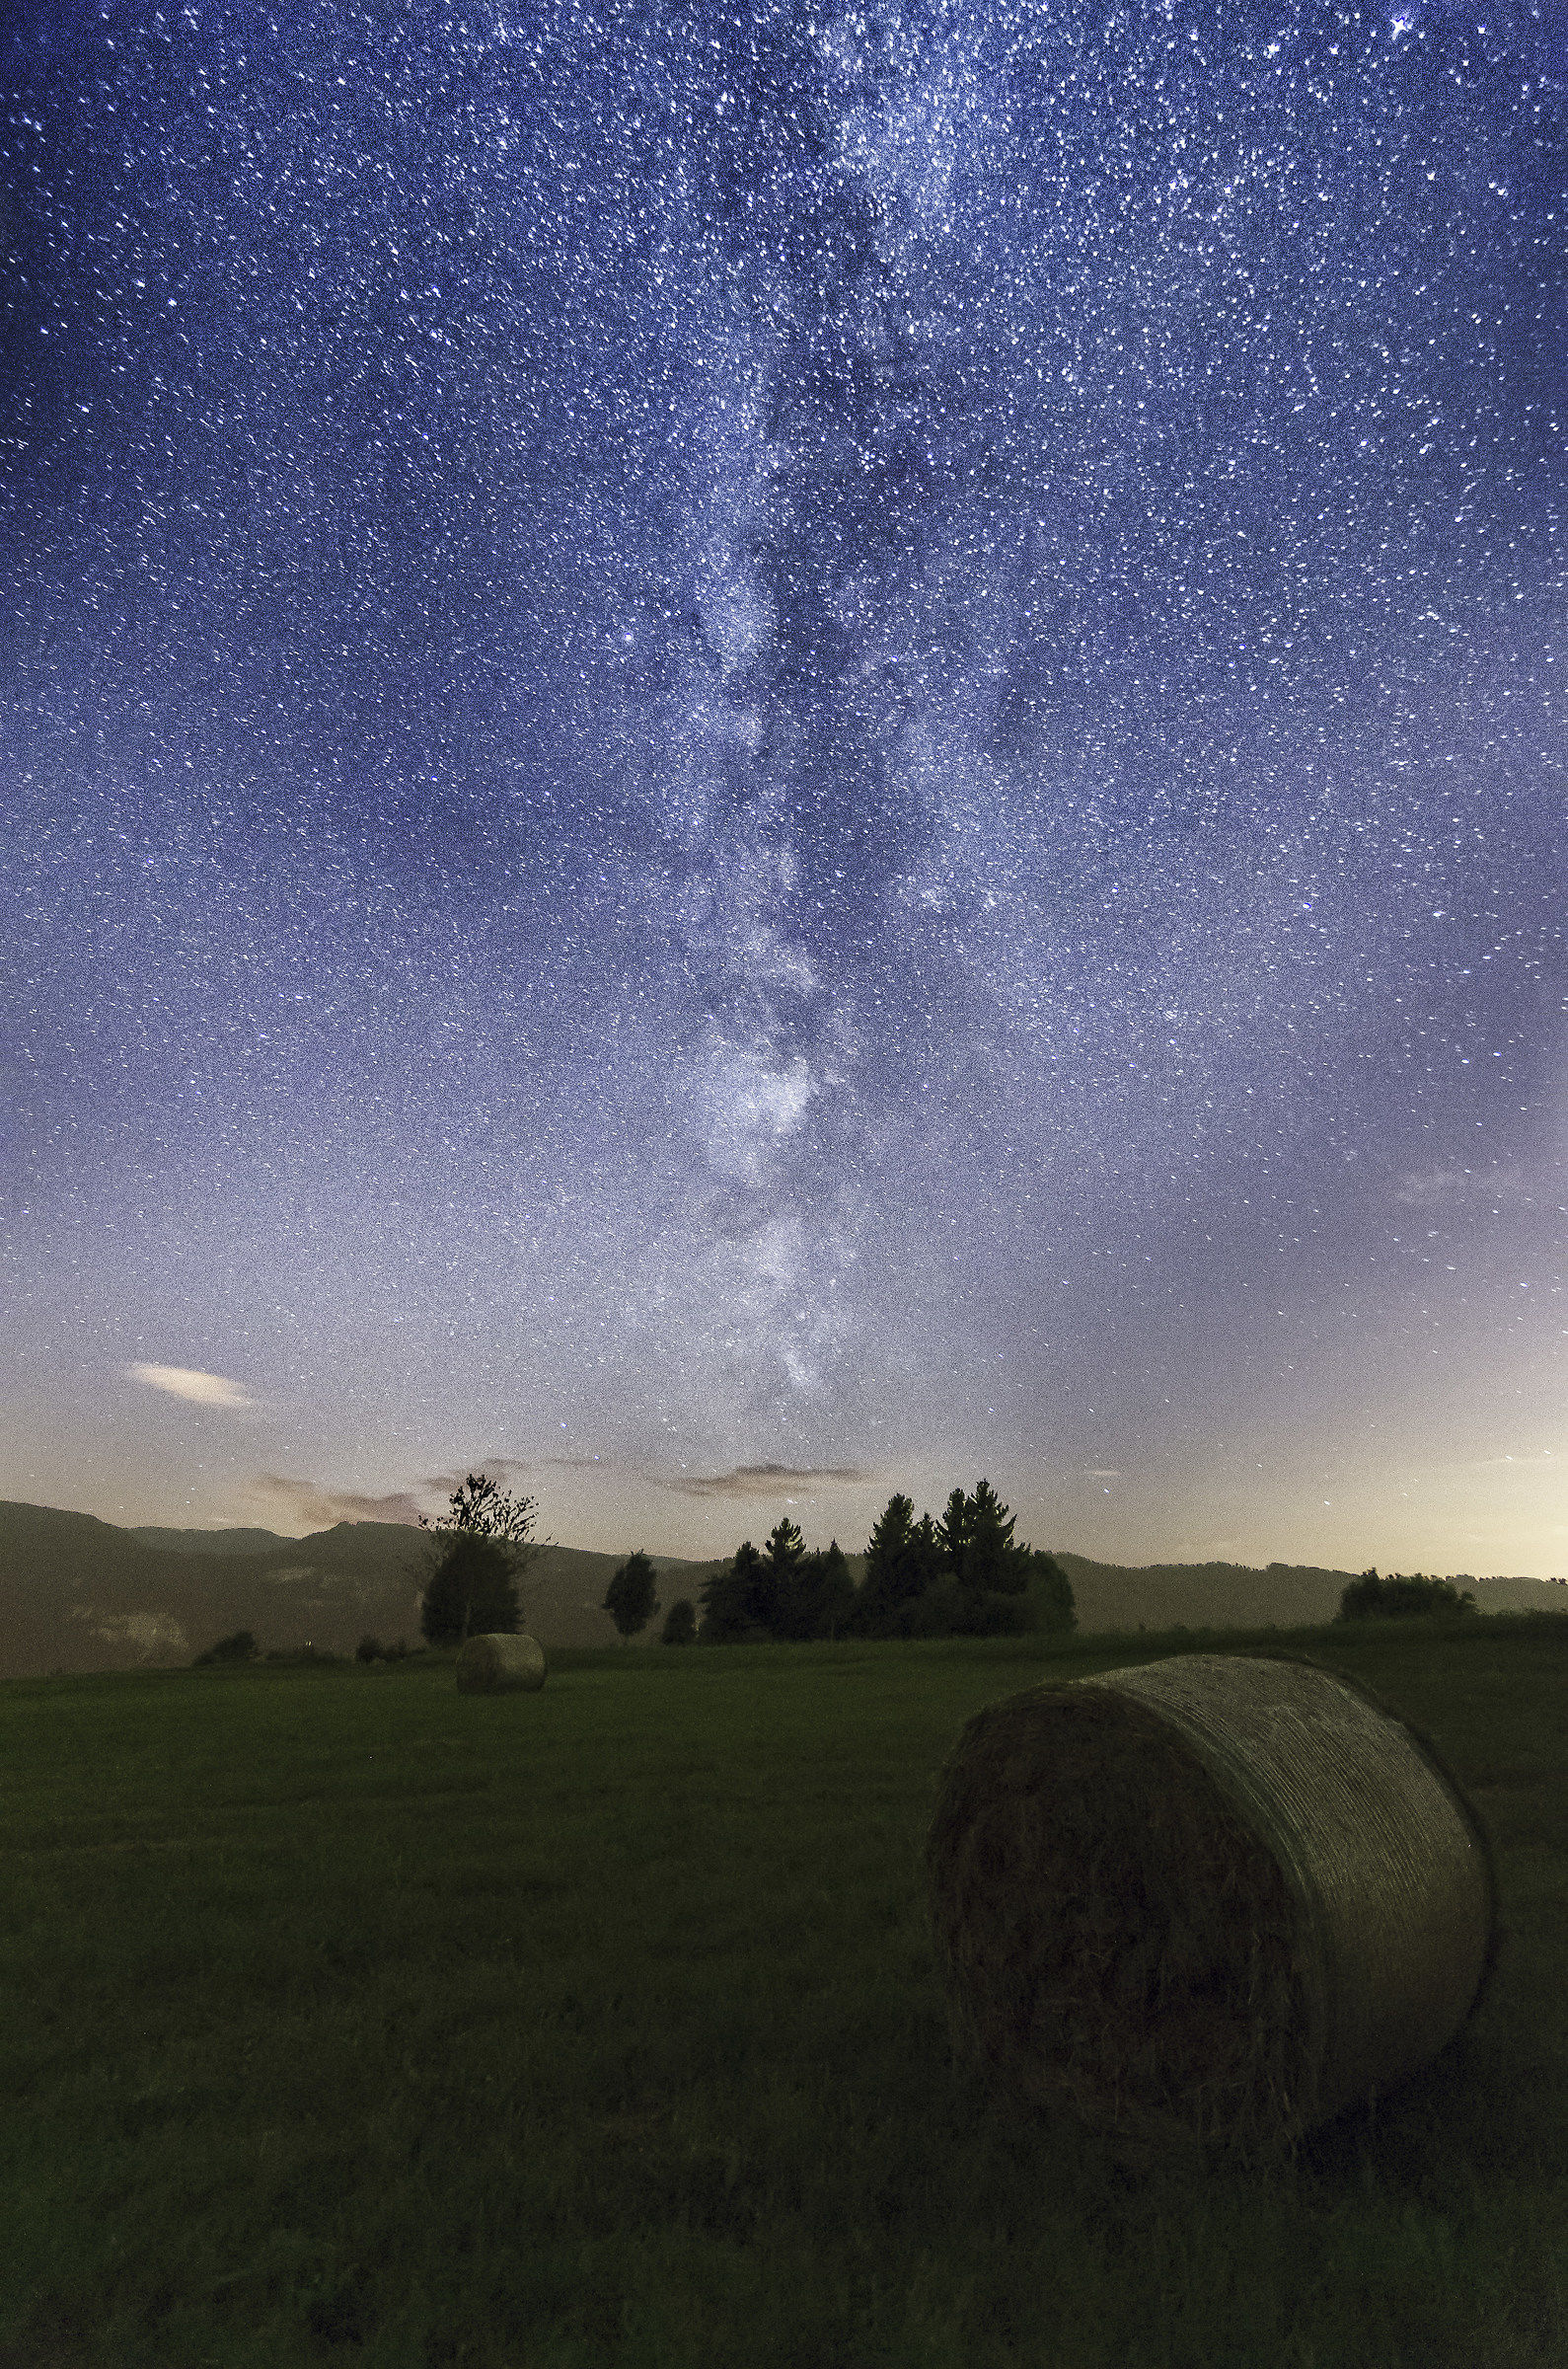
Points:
x=347, y=2019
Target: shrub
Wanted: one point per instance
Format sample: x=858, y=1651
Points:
x=680, y=1622
x=369, y=1648
x=1370, y=1598
x=470, y=1591
x=241, y=1647
x=630, y=1599
x=1052, y=1592
x=954, y=1611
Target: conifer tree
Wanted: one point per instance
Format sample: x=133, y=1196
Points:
x=729, y=1601
x=774, y=1583
x=902, y=1557
x=984, y=1560
x=815, y=1598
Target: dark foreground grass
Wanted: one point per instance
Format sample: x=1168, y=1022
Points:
x=347, y=2019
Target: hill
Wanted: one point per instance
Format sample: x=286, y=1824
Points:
x=1236, y=1595
x=80, y=1594
x=212, y=1542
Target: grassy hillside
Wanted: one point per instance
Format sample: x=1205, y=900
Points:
x=1229, y=1595
x=211, y=1542
x=351, y=2017
x=77, y=1594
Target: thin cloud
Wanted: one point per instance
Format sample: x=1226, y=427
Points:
x=764, y=1480
x=1109, y=1472
x=1440, y=1187
x=508, y=1469
x=189, y=1382
x=303, y=1502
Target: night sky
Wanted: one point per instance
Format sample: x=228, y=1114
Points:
x=756, y=753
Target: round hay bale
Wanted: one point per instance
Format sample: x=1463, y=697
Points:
x=1221, y=1897
x=500, y=1664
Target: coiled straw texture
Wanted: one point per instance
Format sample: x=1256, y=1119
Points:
x=500, y=1664
x=1217, y=1898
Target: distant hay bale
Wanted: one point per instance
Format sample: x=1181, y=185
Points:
x=500, y=1664
x=1218, y=1898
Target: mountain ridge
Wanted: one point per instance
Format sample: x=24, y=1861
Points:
x=79, y=1594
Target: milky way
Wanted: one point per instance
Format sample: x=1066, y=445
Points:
x=789, y=736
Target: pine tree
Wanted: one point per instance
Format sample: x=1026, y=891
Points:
x=729, y=1602
x=902, y=1559
x=987, y=1545
x=827, y=1593
x=814, y=1597
x=775, y=1582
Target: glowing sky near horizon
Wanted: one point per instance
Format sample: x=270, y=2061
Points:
x=753, y=753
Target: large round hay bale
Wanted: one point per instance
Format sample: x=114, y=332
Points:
x=498, y=1664
x=1221, y=1897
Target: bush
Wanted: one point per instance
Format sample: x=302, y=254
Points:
x=1370, y=1598
x=471, y=1591
x=304, y=1654
x=630, y=1599
x=241, y=1647
x=679, y=1624
x=1052, y=1592
x=369, y=1648
x=954, y=1611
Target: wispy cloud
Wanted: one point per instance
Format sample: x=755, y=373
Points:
x=1108, y=1472
x=511, y=1470
x=1462, y=1187
x=765, y=1480
x=189, y=1382
x=304, y=1501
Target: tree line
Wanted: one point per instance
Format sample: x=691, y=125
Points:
x=964, y=1575
x=961, y=1576
x=1370, y=1598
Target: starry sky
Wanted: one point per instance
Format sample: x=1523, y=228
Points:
x=758, y=752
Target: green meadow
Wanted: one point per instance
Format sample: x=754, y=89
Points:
x=349, y=2019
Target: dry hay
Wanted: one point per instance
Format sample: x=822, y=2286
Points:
x=1217, y=1898
x=500, y=1664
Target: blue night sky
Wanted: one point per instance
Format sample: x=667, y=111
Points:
x=758, y=753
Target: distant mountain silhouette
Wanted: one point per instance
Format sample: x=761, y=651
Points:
x=80, y=1594
x=212, y=1542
